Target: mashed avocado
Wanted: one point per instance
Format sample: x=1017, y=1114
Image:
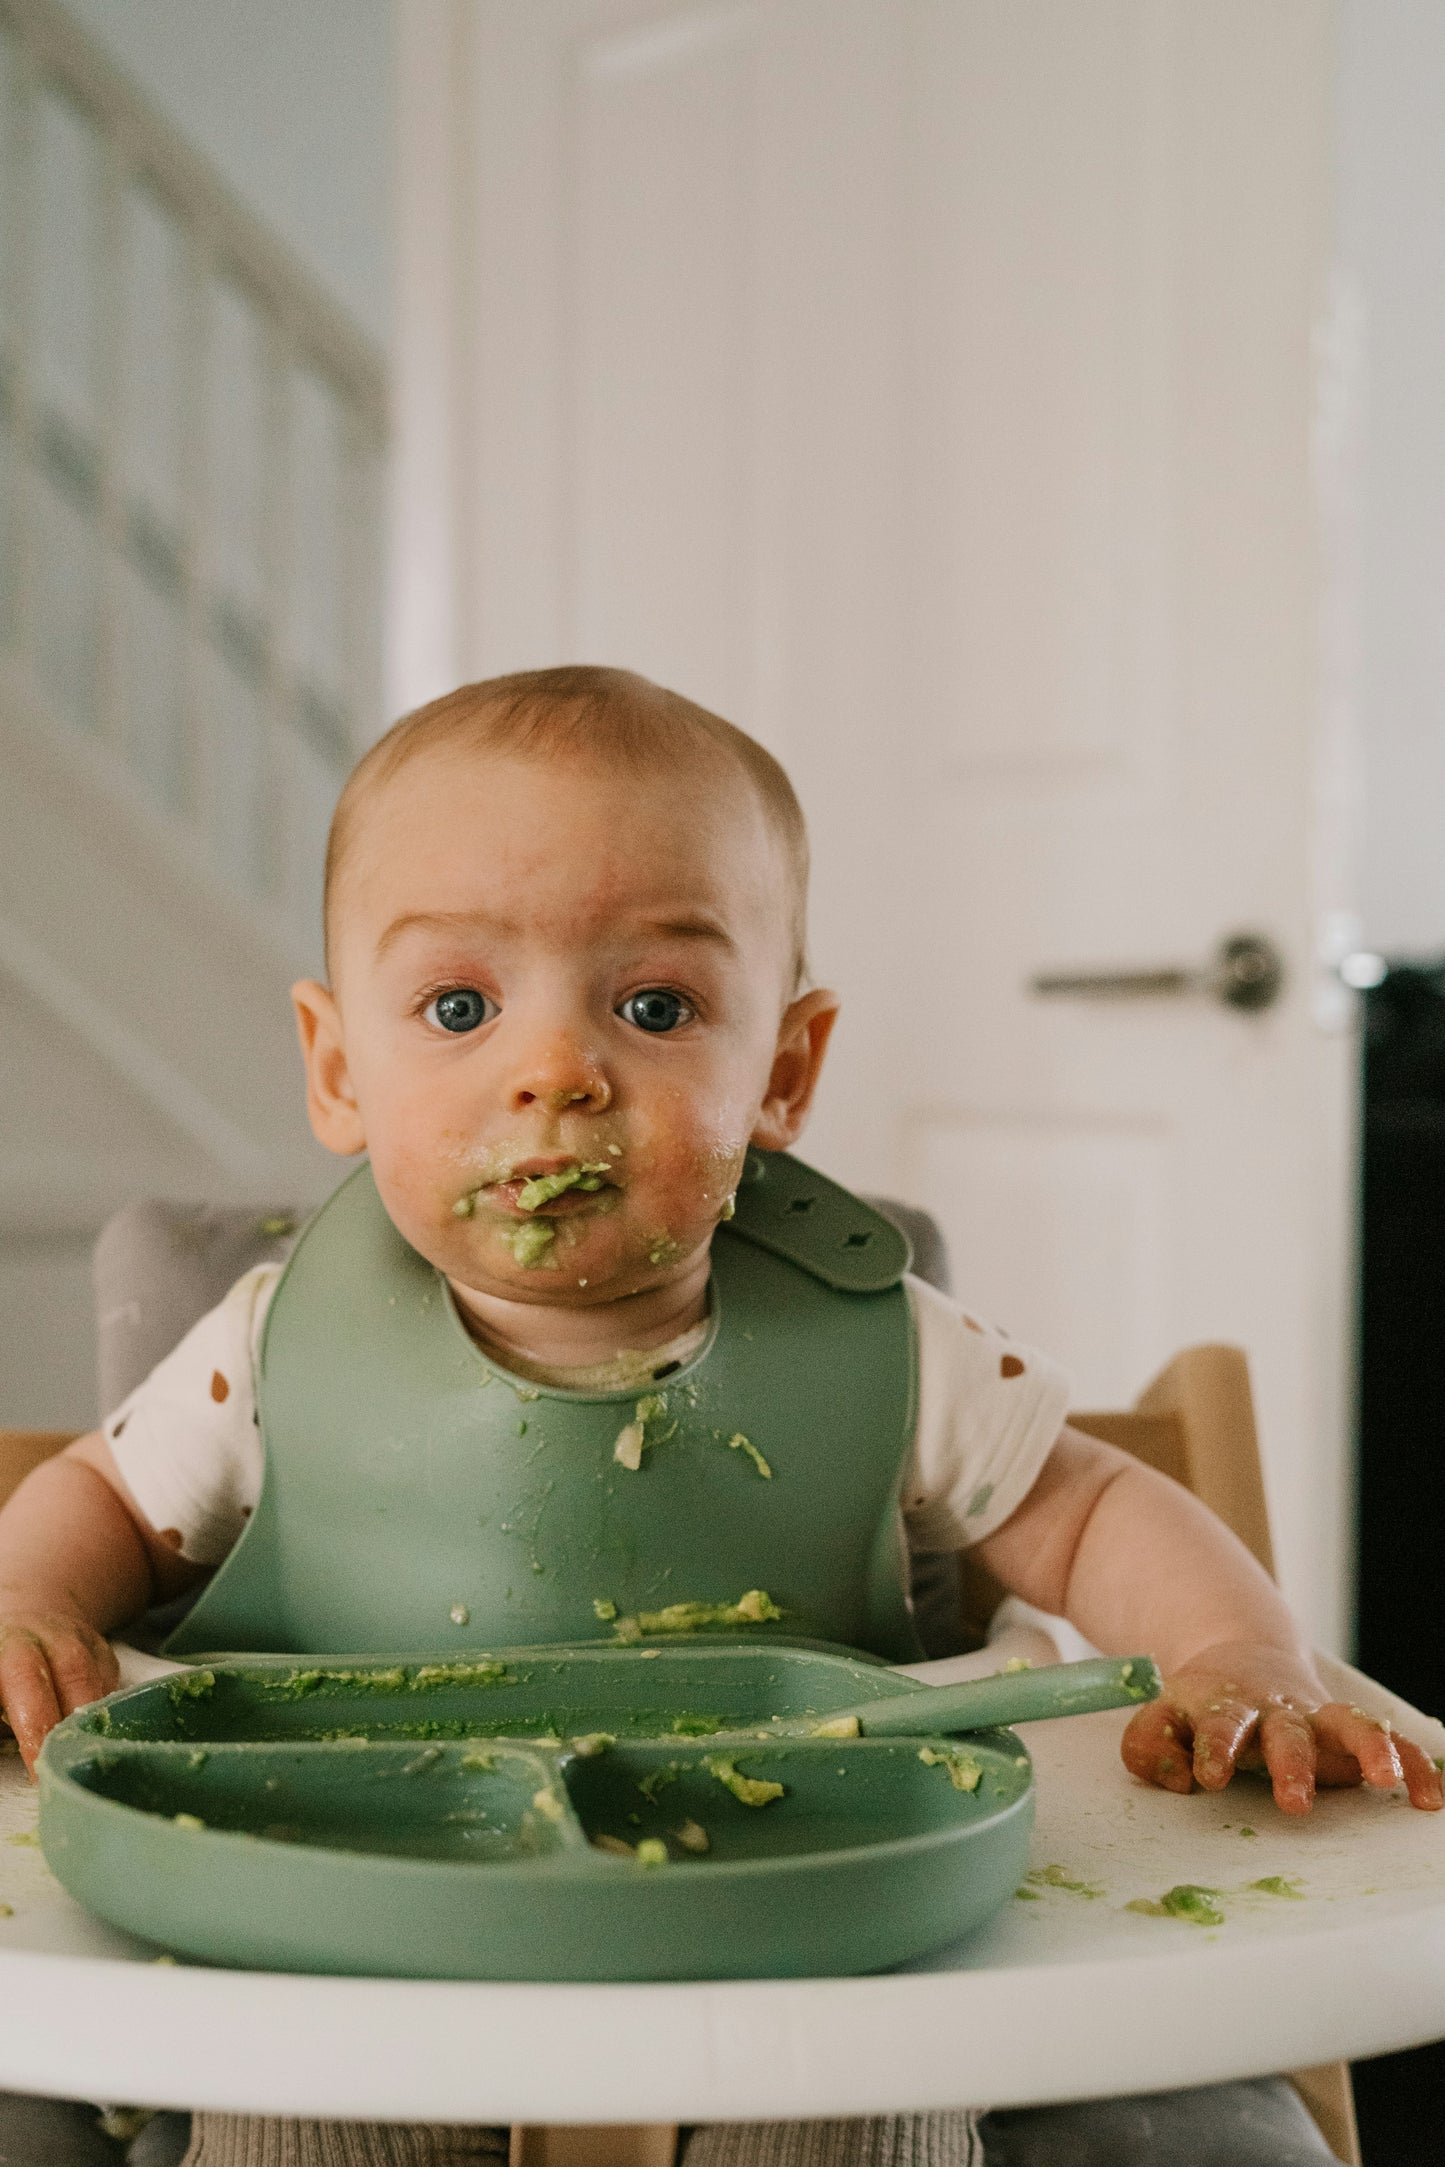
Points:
x=542, y=1188
x=633, y=1440
x=964, y=1772
x=190, y=1685
x=1199, y=1906
x=530, y=1243
x=755, y=1608
x=748, y=1790
x=738, y=1443
x=1055, y=1877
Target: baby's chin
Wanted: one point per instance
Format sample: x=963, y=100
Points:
x=573, y=1259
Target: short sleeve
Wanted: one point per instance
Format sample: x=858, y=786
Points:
x=989, y=1413
x=186, y=1441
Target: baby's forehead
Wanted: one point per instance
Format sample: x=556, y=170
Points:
x=589, y=833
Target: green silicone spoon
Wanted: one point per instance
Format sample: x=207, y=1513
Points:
x=1013, y=1696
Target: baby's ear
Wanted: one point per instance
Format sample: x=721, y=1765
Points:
x=330, y=1101
x=803, y=1037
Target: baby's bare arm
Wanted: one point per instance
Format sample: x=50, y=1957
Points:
x=77, y=1559
x=1132, y=1559
x=1135, y=1562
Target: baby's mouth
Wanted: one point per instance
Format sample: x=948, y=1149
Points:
x=545, y=1188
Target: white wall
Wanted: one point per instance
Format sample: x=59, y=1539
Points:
x=1392, y=174
x=291, y=99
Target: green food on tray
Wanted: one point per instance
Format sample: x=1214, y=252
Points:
x=748, y=1790
x=1187, y=1900
x=1057, y=1877
x=964, y=1772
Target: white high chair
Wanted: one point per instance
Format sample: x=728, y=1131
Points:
x=158, y=1267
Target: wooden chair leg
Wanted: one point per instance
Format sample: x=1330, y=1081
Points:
x=596, y=2144
x=22, y=1450
x=1330, y=2097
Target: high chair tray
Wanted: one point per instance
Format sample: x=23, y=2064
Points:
x=567, y=1813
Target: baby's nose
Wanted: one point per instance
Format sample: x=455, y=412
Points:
x=561, y=1075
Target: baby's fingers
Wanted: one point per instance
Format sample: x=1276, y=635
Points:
x=1156, y=1746
x=1369, y=1743
x=1422, y=1776
x=83, y=1667
x=1220, y=1736
x=1288, y=1744
x=27, y=1693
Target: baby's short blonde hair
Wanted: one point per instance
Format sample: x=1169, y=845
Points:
x=580, y=713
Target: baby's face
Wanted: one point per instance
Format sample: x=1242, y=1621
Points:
x=555, y=1017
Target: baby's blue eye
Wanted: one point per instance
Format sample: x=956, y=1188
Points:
x=656, y=1009
x=462, y=1008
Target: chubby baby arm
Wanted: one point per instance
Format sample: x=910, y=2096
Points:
x=77, y=1559
x=1133, y=1560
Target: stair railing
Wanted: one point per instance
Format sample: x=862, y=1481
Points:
x=191, y=440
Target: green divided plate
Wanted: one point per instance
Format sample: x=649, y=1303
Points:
x=429, y=1818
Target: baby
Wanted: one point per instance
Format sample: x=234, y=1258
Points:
x=567, y=1017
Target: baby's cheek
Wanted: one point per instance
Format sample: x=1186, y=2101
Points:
x=687, y=1168
x=419, y=1189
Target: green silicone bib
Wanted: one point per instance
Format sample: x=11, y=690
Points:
x=416, y=1495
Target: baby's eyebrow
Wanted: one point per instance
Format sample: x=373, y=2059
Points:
x=442, y=921
x=689, y=929
x=697, y=926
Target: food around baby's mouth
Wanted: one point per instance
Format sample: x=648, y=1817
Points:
x=530, y=1244
x=579, y=1182
x=540, y=1189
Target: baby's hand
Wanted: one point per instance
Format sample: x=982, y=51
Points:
x=1244, y=1706
x=51, y=1662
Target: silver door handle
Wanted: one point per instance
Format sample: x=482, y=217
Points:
x=1246, y=971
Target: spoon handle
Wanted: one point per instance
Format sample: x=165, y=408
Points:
x=1014, y=1696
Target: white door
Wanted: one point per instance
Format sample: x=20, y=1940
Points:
x=929, y=385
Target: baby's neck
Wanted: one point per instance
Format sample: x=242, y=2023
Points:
x=559, y=1338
